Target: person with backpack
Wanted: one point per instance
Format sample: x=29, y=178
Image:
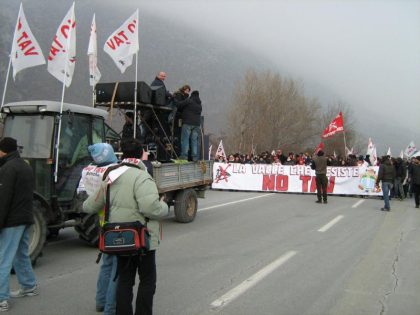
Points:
x=133, y=196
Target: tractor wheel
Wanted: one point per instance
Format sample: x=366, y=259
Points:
x=89, y=229
x=37, y=233
x=185, y=206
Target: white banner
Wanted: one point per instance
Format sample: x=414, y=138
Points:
x=294, y=178
x=25, y=49
x=94, y=73
x=124, y=43
x=62, y=57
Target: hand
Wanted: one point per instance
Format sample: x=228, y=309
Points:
x=162, y=198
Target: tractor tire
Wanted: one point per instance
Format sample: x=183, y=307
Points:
x=89, y=229
x=37, y=232
x=185, y=207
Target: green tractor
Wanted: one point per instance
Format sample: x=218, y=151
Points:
x=57, y=203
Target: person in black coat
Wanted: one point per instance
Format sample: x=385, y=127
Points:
x=415, y=180
x=191, y=125
x=16, y=216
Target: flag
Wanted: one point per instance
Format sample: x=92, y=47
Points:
x=62, y=57
x=124, y=43
x=335, y=155
x=210, y=148
x=26, y=51
x=94, y=73
x=319, y=148
x=402, y=154
x=370, y=146
x=220, y=150
x=389, y=152
x=335, y=126
x=410, y=150
x=349, y=152
x=373, y=158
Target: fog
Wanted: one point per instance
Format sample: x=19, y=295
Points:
x=365, y=54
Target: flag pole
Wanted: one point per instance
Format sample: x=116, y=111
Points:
x=135, y=99
x=345, y=144
x=57, y=146
x=6, y=82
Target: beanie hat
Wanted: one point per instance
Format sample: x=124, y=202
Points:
x=8, y=145
x=102, y=153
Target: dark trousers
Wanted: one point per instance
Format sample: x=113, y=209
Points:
x=321, y=186
x=145, y=266
x=416, y=190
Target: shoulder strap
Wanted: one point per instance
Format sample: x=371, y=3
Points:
x=111, y=168
x=106, y=210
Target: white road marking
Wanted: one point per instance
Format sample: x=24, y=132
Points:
x=251, y=281
x=327, y=226
x=233, y=202
x=358, y=203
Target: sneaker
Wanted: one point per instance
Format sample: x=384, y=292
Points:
x=24, y=292
x=325, y=201
x=4, y=306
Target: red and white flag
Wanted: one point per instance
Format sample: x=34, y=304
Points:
x=335, y=126
x=94, y=73
x=373, y=157
x=320, y=147
x=124, y=43
x=410, y=150
x=62, y=57
x=220, y=151
x=26, y=51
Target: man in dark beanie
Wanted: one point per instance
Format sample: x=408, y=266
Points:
x=320, y=167
x=16, y=216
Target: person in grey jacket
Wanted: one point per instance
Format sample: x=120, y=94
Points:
x=319, y=164
x=386, y=174
x=133, y=197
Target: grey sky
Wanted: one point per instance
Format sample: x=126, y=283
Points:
x=364, y=53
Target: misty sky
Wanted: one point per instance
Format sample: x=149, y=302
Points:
x=363, y=53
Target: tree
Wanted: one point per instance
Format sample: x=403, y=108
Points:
x=272, y=112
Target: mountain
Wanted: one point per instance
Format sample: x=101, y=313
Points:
x=208, y=64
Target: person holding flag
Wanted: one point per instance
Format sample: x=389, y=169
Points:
x=319, y=164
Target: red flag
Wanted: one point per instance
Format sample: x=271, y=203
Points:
x=319, y=148
x=335, y=126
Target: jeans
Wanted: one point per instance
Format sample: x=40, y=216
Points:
x=386, y=188
x=14, y=251
x=398, y=188
x=128, y=266
x=189, y=132
x=106, y=287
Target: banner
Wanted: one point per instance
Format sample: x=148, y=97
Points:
x=94, y=73
x=124, y=43
x=335, y=126
x=294, y=178
x=62, y=57
x=26, y=51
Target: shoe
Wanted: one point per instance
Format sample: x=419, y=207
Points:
x=100, y=308
x=384, y=209
x=4, y=306
x=318, y=201
x=417, y=206
x=325, y=201
x=24, y=292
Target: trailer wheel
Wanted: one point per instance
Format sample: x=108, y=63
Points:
x=89, y=229
x=185, y=207
x=38, y=232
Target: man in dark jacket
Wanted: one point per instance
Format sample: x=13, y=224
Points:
x=158, y=82
x=191, y=121
x=319, y=164
x=400, y=173
x=16, y=194
x=415, y=179
x=386, y=174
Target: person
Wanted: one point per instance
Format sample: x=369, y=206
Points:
x=319, y=164
x=133, y=197
x=386, y=174
x=401, y=172
x=128, y=129
x=159, y=81
x=16, y=217
x=191, y=125
x=415, y=180
x=106, y=287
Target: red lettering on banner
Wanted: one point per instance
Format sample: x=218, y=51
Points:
x=132, y=26
x=19, y=25
x=54, y=50
x=282, y=182
x=305, y=180
x=64, y=29
x=313, y=184
x=268, y=182
x=111, y=44
x=331, y=184
x=123, y=35
x=24, y=36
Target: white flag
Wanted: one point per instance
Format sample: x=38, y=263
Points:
x=220, y=150
x=370, y=146
x=62, y=57
x=410, y=150
x=402, y=154
x=26, y=51
x=94, y=73
x=389, y=152
x=373, y=157
x=124, y=43
x=210, y=148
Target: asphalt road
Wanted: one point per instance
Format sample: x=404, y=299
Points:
x=255, y=253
